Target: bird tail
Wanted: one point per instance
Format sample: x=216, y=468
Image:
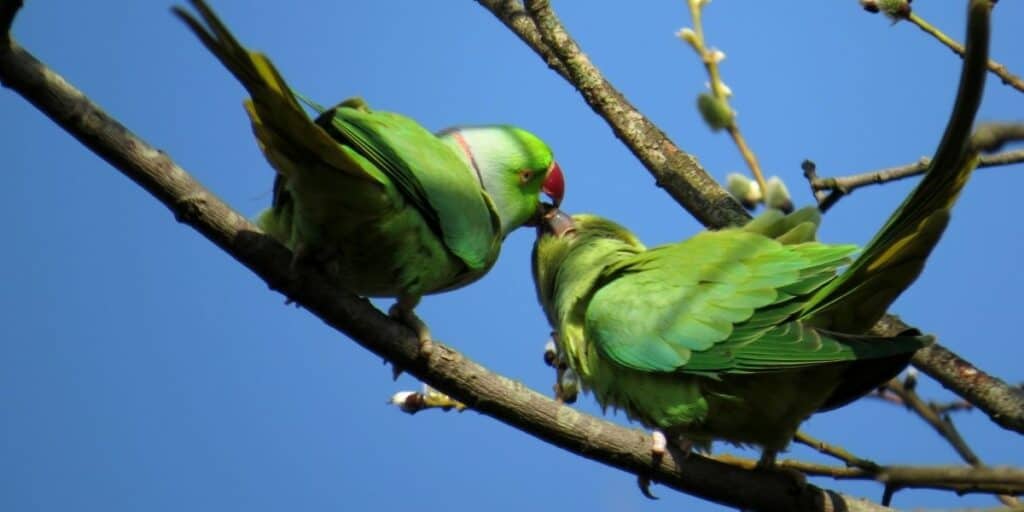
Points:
x=285, y=133
x=858, y=298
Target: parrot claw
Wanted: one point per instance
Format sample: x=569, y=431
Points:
x=767, y=460
x=551, y=353
x=659, y=446
x=644, y=482
x=402, y=311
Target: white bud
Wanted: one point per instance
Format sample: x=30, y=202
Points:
x=409, y=402
x=777, y=195
x=687, y=34
x=744, y=189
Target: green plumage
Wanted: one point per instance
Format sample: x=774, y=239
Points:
x=741, y=334
x=375, y=199
x=704, y=337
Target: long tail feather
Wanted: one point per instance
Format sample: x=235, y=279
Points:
x=285, y=132
x=895, y=257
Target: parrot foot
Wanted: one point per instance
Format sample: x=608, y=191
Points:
x=316, y=258
x=567, y=387
x=659, y=446
x=551, y=352
x=567, y=383
x=686, y=445
x=767, y=460
x=403, y=312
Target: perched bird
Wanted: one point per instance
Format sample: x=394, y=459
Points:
x=373, y=198
x=739, y=334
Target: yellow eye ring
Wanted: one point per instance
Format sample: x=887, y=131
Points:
x=525, y=175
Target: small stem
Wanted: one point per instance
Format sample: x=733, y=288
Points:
x=748, y=156
x=943, y=425
x=719, y=91
x=959, y=479
x=936, y=33
x=987, y=137
x=996, y=68
x=837, y=452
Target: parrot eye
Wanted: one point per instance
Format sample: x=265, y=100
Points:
x=525, y=176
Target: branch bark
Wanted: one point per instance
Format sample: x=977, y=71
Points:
x=847, y=184
x=674, y=170
x=1003, y=403
x=506, y=400
x=959, y=479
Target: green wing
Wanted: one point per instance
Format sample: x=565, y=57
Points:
x=427, y=173
x=718, y=302
x=285, y=132
x=375, y=150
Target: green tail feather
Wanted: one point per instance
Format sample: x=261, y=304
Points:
x=858, y=298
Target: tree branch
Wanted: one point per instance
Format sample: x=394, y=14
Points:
x=996, y=68
x=1003, y=403
x=943, y=425
x=498, y=397
x=959, y=479
x=837, y=452
x=901, y=10
x=988, y=137
x=674, y=170
x=847, y=184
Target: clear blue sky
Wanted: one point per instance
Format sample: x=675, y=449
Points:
x=143, y=369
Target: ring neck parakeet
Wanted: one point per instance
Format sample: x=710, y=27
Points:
x=739, y=334
x=375, y=199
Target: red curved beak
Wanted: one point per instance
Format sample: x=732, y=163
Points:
x=554, y=184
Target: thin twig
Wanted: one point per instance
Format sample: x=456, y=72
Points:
x=1003, y=403
x=837, y=452
x=996, y=68
x=719, y=90
x=844, y=185
x=960, y=479
x=941, y=408
x=943, y=425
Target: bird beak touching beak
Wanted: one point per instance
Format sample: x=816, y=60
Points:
x=554, y=184
x=557, y=222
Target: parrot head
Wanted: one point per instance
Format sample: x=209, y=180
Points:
x=514, y=167
x=574, y=249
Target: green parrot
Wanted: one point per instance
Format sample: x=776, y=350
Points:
x=740, y=334
x=375, y=199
